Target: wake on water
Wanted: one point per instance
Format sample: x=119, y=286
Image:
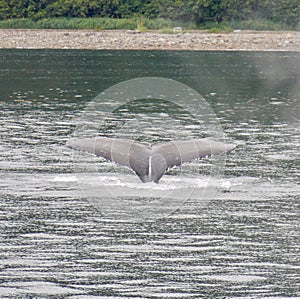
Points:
x=122, y=195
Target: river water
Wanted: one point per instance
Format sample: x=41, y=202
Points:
x=57, y=242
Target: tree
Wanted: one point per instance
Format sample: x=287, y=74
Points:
x=199, y=11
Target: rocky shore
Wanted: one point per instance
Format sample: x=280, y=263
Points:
x=151, y=40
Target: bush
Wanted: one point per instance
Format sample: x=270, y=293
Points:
x=185, y=13
x=258, y=24
x=142, y=24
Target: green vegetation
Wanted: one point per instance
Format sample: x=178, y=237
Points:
x=259, y=24
x=89, y=23
x=214, y=15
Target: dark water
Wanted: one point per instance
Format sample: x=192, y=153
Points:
x=243, y=243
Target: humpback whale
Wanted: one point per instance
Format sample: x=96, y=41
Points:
x=149, y=162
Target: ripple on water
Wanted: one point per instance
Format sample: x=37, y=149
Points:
x=243, y=243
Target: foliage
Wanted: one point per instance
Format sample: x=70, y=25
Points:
x=257, y=24
x=88, y=23
x=197, y=12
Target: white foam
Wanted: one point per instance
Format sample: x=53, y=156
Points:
x=64, y=179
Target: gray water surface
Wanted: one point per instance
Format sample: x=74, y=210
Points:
x=243, y=243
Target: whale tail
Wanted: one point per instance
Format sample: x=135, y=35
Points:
x=149, y=162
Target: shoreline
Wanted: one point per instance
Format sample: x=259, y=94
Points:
x=150, y=40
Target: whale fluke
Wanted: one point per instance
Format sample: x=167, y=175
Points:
x=149, y=162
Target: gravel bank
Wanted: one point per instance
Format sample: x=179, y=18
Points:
x=119, y=39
